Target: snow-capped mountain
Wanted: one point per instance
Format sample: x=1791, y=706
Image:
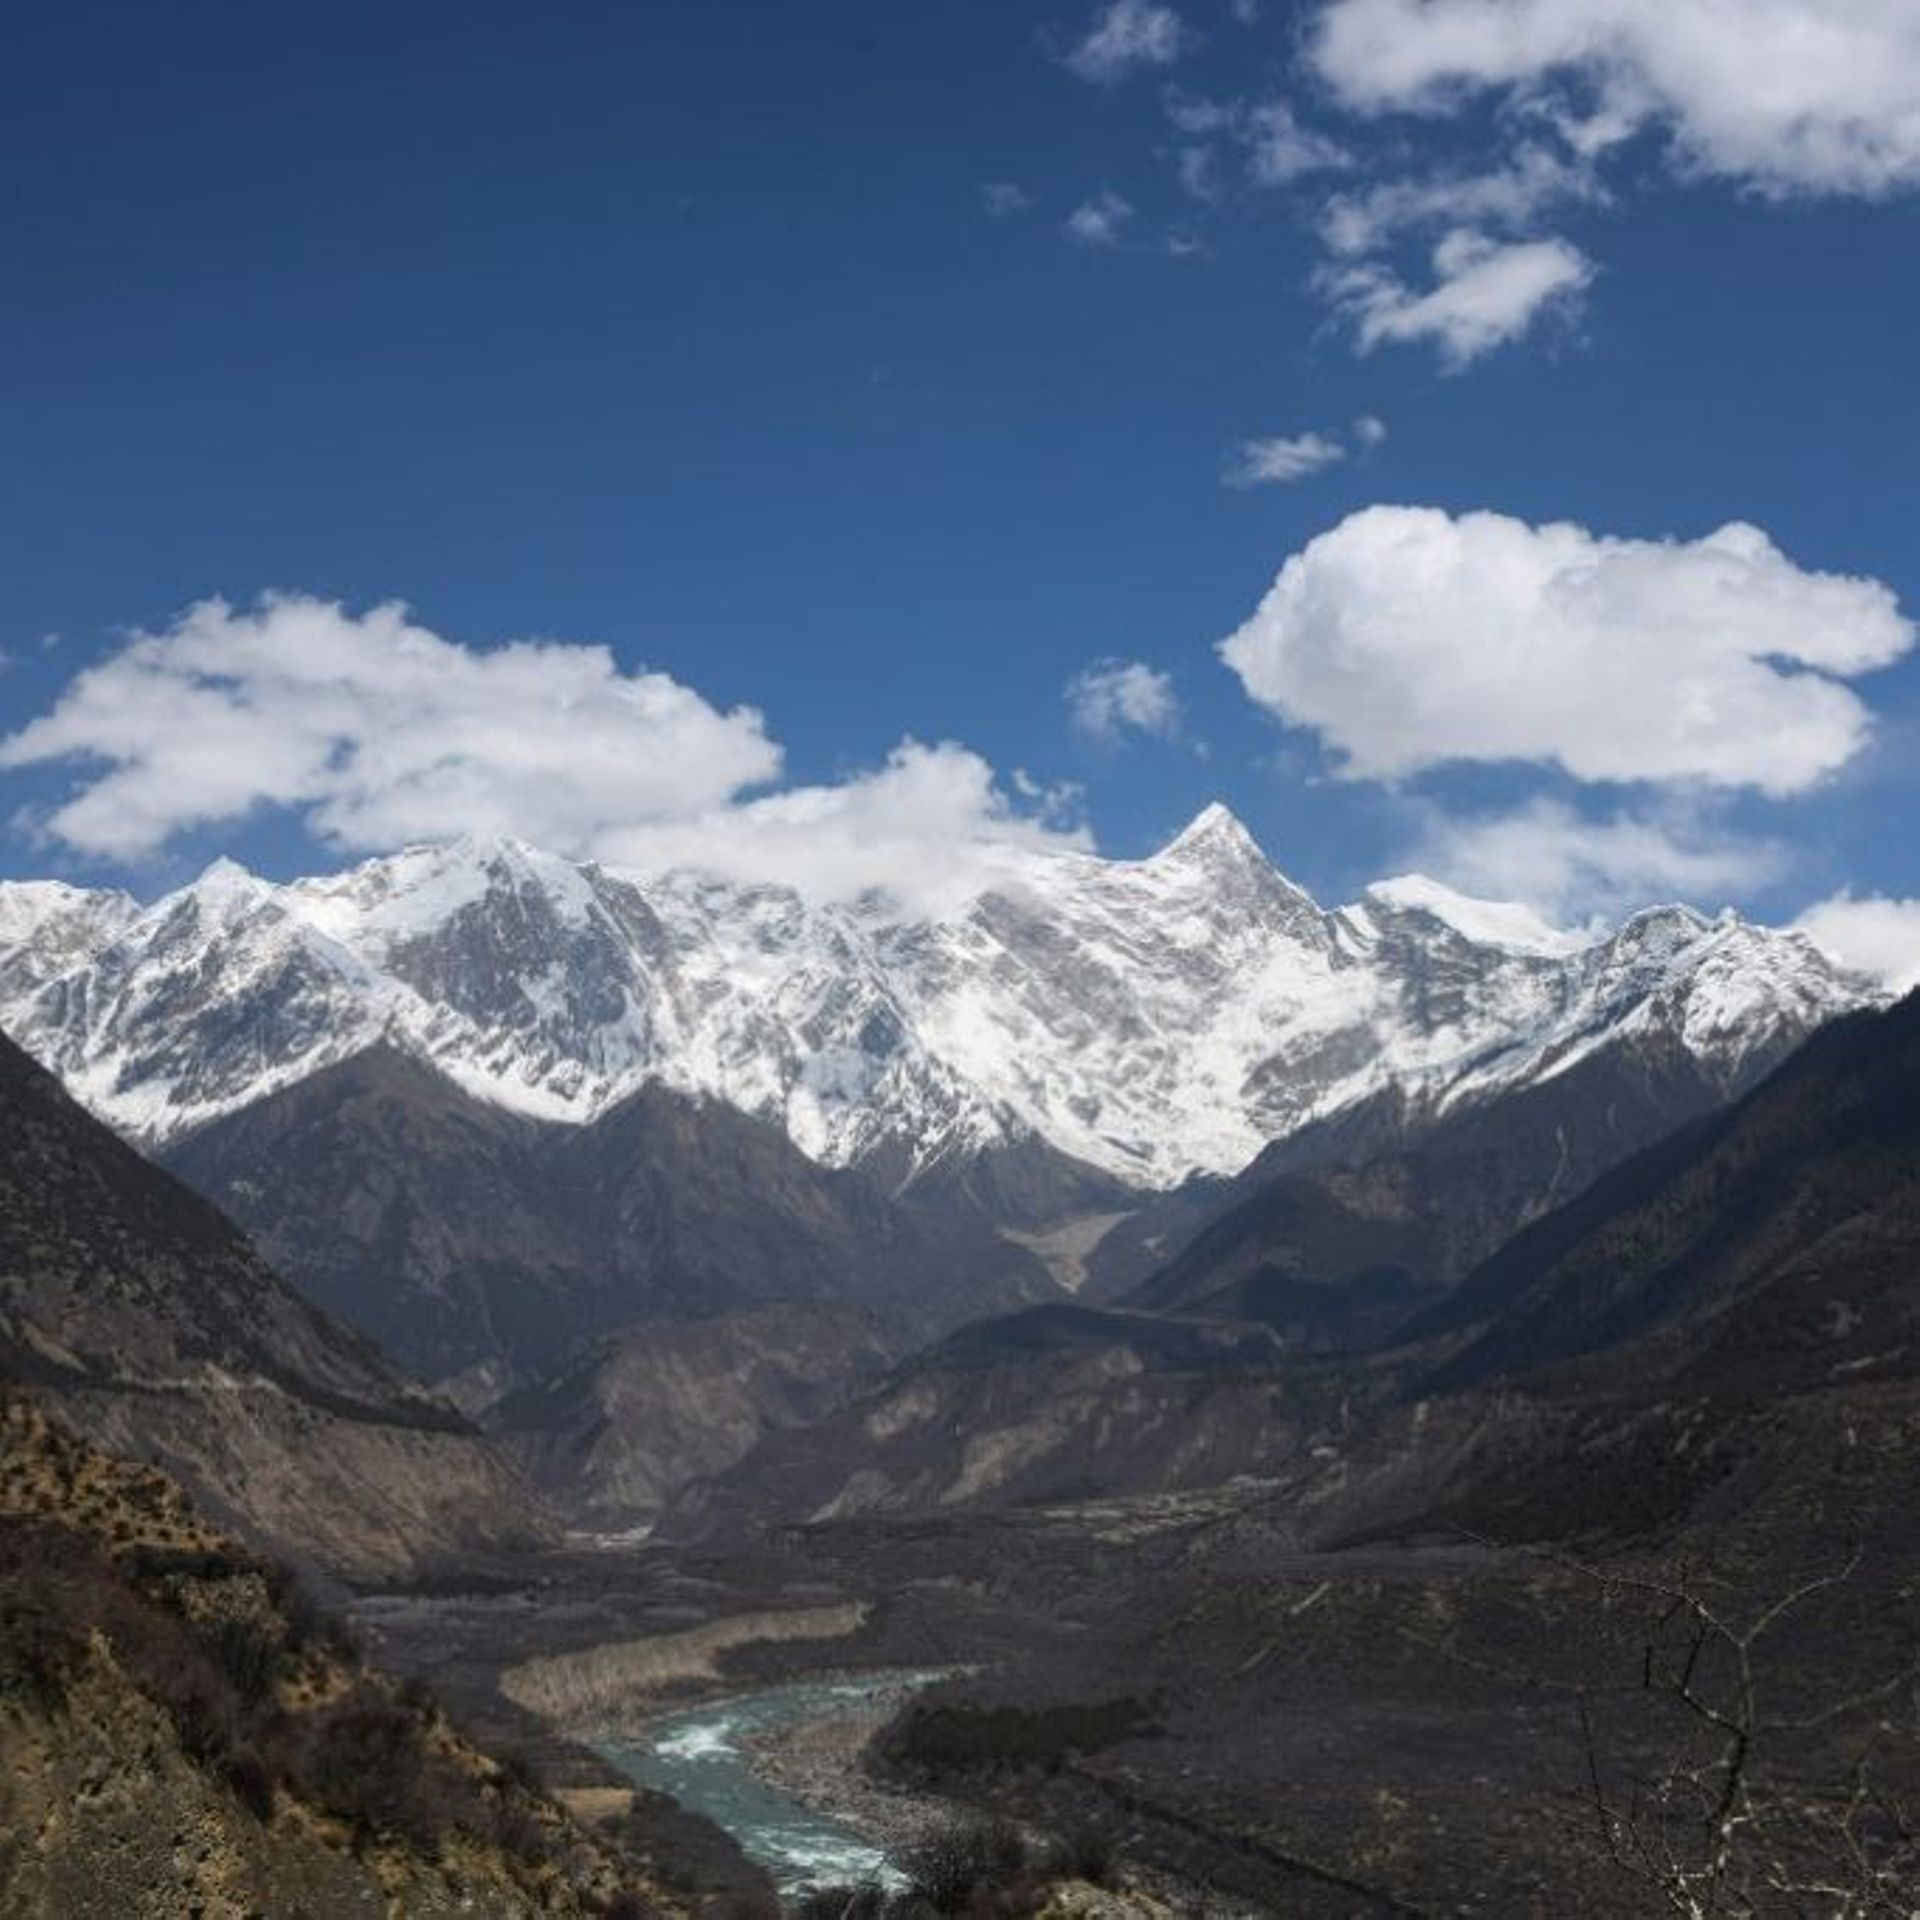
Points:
x=1152, y=1019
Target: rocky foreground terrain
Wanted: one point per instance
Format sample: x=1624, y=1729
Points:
x=184, y=1732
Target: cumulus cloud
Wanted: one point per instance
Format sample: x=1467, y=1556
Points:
x=1877, y=935
x=1485, y=293
x=1004, y=198
x=930, y=829
x=1281, y=459
x=1099, y=222
x=1369, y=430
x=376, y=732
x=1112, y=698
x=1409, y=638
x=1554, y=858
x=1125, y=38
x=1788, y=96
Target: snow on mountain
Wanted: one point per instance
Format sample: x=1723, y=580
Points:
x=46, y=927
x=1153, y=1018
x=1490, y=923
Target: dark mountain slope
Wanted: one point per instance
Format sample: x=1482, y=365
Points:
x=467, y=1238
x=612, y=1437
x=142, y=1314
x=1061, y=1402
x=1770, y=1247
x=1388, y=1192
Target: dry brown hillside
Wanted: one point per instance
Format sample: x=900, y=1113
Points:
x=183, y=1733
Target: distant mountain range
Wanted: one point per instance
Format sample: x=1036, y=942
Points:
x=1148, y=1021
x=1752, y=1276
x=498, y=1109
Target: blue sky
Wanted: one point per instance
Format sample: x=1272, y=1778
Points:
x=762, y=345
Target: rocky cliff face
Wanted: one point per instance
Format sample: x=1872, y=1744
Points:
x=137, y=1311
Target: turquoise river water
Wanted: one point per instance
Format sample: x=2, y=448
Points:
x=700, y=1756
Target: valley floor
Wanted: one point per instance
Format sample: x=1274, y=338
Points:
x=1303, y=1734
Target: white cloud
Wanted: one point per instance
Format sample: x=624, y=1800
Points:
x=1510, y=197
x=1408, y=639
x=1876, y=934
x=1568, y=866
x=931, y=828
x=1817, y=96
x=1195, y=113
x=1281, y=459
x=1127, y=37
x=1281, y=150
x=1370, y=430
x=1003, y=198
x=1277, y=148
x=379, y=731
x=1195, y=166
x=1100, y=221
x=376, y=732
x=1112, y=698
x=1484, y=295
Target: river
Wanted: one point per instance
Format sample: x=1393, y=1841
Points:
x=703, y=1757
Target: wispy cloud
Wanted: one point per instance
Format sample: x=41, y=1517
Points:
x=1099, y=222
x=1570, y=866
x=1781, y=97
x=1125, y=38
x=1484, y=294
x=1004, y=198
x=1112, y=698
x=1273, y=146
x=1281, y=459
x=1511, y=198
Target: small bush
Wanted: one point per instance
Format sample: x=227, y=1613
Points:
x=362, y=1761
x=628, y=1905
x=1085, y=1853
x=252, y=1783
x=950, y=1867
x=246, y=1657
x=43, y=1616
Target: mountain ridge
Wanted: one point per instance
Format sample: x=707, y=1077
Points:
x=1151, y=1021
